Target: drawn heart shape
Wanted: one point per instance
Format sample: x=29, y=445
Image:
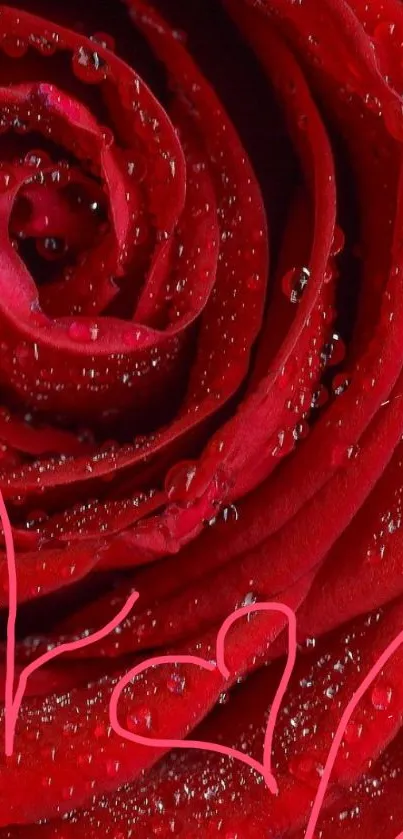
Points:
x=13, y=701
x=264, y=767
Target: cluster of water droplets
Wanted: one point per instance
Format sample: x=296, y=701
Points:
x=386, y=526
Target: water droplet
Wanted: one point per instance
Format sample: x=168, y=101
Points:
x=305, y=768
x=37, y=158
x=38, y=316
x=282, y=443
x=137, y=167
x=375, y=554
x=384, y=31
x=112, y=768
x=301, y=430
x=249, y=599
x=339, y=241
x=383, y=41
x=287, y=374
x=253, y=282
x=35, y=518
x=108, y=136
x=381, y=696
x=340, y=384
x=7, y=180
x=99, y=731
x=20, y=126
x=353, y=732
x=13, y=46
x=295, y=282
x=373, y=103
x=85, y=759
x=320, y=397
x=342, y=453
x=50, y=248
x=89, y=66
x=23, y=352
x=334, y=351
x=104, y=40
x=45, y=45
x=131, y=338
x=83, y=332
x=139, y=720
x=130, y=93
x=230, y=513
x=176, y=683
x=179, y=480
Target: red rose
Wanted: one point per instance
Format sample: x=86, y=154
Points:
x=185, y=417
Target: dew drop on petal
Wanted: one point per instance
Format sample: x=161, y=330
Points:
x=104, y=40
x=341, y=453
x=23, y=352
x=89, y=66
x=284, y=378
x=139, y=720
x=7, y=180
x=301, y=430
x=304, y=768
x=13, y=46
x=44, y=44
x=107, y=136
x=99, y=731
x=83, y=332
x=131, y=338
x=381, y=696
x=375, y=554
x=294, y=283
x=253, y=282
x=230, y=513
x=338, y=241
x=283, y=443
x=320, y=397
x=50, y=248
x=176, y=684
x=353, y=732
x=179, y=480
x=249, y=599
x=37, y=158
x=334, y=351
x=112, y=768
x=340, y=384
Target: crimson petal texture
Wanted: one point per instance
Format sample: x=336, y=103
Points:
x=201, y=372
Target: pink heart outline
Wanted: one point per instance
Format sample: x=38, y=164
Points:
x=264, y=768
x=12, y=704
